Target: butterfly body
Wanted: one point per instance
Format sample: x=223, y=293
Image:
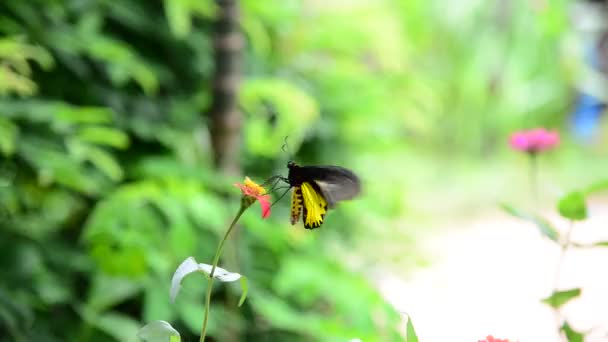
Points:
x=316, y=189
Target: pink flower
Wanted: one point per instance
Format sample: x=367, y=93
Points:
x=253, y=192
x=533, y=141
x=490, y=338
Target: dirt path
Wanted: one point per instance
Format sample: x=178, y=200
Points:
x=489, y=277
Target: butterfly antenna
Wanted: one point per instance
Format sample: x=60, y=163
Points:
x=285, y=148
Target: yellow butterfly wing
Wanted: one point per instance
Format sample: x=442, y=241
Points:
x=315, y=206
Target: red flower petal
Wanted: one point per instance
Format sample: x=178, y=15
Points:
x=244, y=189
x=491, y=338
x=265, y=204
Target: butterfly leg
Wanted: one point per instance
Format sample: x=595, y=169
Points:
x=280, y=197
x=272, y=180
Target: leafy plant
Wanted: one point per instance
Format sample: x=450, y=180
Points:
x=106, y=172
x=573, y=207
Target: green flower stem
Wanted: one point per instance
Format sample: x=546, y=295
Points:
x=244, y=205
x=564, y=246
x=534, y=179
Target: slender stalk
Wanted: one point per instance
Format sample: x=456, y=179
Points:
x=564, y=246
x=534, y=179
x=216, y=259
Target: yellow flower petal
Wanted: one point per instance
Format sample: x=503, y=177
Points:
x=255, y=187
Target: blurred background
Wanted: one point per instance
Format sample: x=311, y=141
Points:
x=124, y=124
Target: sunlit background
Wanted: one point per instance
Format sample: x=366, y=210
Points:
x=124, y=124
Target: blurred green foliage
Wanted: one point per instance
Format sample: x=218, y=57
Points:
x=106, y=182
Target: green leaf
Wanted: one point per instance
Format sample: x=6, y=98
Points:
x=259, y=38
x=182, y=236
x=102, y=135
x=158, y=331
x=127, y=261
x=559, y=298
x=102, y=159
x=106, y=163
x=597, y=187
x=204, y=9
x=571, y=334
x=178, y=16
x=542, y=224
x=245, y=289
x=53, y=165
x=8, y=136
x=8, y=172
x=572, y=206
x=591, y=245
x=410, y=331
x=68, y=115
x=107, y=291
x=276, y=108
x=191, y=314
x=119, y=326
x=52, y=289
x=180, y=12
x=122, y=62
x=17, y=52
x=15, y=316
x=15, y=68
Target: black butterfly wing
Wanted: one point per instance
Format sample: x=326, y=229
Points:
x=335, y=183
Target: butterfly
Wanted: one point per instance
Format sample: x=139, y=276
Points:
x=316, y=189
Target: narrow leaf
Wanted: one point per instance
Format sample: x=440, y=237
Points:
x=189, y=266
x=542, y=224
x=178, y=17
x=572, y=206
x=591, y=245
x=410, y=331
x=8, y=173
x=8, y=136
x=103, y=135
x=559, y=298
x=119, y=326
x=158, y=331
x=105, y=162
x=186, y=267
x=571, y=334
x=219, y=273
x=597, y=187
x=245, y=289
x=100, y=158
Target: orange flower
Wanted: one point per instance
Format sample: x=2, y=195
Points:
x=254, y=192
